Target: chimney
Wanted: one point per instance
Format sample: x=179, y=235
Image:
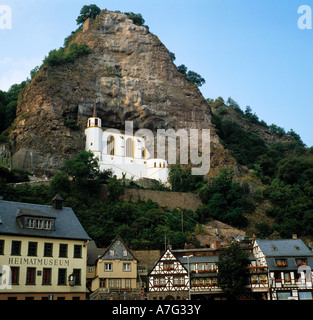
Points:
x=57, y=202
x=294, y=236
x=216, y=244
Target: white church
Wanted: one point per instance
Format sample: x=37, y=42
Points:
x=122, y=153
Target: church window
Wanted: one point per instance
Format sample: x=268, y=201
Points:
x=96, y=122
x=143, y=153
x=129, y=148
x=111, y=145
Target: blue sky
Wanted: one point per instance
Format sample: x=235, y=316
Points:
x=250, y=50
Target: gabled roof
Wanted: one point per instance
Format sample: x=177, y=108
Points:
x=118, y=245
x=284, y=248
x=67, y=225
x=168, y=255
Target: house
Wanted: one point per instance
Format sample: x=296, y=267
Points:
x=124, y=154
x=287, y=264
x=115, y=274
x=169, y=279
x=43, y=251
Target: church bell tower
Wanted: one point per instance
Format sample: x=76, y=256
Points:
x=94, y=134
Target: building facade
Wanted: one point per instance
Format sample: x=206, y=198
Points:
x=278, y=270
x=169, y=279
x=124, y=154
x=287, y=269
x=43, y=251
x=115, y=274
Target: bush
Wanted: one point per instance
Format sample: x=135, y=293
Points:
x=63, y=56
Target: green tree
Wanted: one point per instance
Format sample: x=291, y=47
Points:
x=182, y=180
x=88, y=11
x=223, y=200
x=136, y=17
x=191, y=76
x=195, y=78
x=232, y=274
x=83, y=166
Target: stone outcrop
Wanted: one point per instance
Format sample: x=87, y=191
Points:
x=129, y=75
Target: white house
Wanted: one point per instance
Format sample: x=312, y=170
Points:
x=123, y=153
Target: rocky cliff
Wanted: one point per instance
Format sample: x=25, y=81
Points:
x=129, y=75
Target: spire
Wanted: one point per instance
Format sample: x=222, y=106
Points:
x=94, y=113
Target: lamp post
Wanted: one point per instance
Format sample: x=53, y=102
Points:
x=188, y=273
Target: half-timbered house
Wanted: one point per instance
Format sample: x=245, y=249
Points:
x=283, y=268
x=169, y=279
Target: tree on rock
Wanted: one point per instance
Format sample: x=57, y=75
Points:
x=91, y=11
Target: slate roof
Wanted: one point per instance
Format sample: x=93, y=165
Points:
x=284, y=248
x=289, y=249
x=118, y=245
x=67, y=225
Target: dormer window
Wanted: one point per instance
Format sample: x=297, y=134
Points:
x=33, y=219
x=34, y=223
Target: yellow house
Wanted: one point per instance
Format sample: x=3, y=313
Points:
x=43, y=252
x=115, y=273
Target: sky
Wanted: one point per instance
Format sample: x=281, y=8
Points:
x=250, y=50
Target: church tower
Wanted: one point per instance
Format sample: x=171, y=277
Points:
x=94, y=135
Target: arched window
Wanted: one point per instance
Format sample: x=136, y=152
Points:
x=129, y=148
x=111, y=145
x=143, y=153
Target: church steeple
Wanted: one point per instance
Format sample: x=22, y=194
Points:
x=94, y=112
x=94, y=121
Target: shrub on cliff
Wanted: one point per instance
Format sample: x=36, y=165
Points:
x=62, y=56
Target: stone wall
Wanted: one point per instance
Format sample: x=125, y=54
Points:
x=165, y=199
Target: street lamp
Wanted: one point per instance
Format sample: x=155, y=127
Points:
x=188, y=272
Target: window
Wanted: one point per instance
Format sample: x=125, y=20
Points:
x=63, y=250
x=62, y=277
x=96, y=122
x=16, y=248
x=77, y=251
x=126, y=266
x=102, y=282
x=287, y=277
x=111, y=253
x=47, y=225
x=15, y=271
x=46, y=277
x=281, y=262
x=129, y=148
x=128, y=283
x=305, y=295
x=30, y=276
x=48, y=249
x=39, y=223
x=1, y=247
x=283, y=295
x=143, y=153
x=90, y=269
x=108, y=267
x=301, y=262
x=111, y=145
x=115, y=283
x=77, y=275
x=124, y=253
x=168, y=266
x=32, y=249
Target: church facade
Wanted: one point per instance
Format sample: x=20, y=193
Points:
x=124, y=154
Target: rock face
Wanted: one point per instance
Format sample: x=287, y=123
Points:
x=129, y=75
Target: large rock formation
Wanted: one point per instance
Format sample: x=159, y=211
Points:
x=129, y=75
